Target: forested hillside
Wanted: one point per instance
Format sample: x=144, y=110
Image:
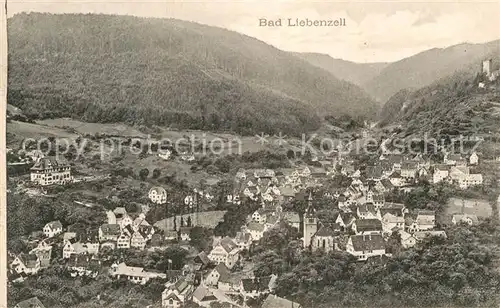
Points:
x=357, y=73
x=454, y=105
x=102, y=68
x=427, y=67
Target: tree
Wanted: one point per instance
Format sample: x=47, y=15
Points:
x=143, y=174
x=156, y=173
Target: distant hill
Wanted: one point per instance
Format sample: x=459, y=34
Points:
x=452, y=106
x=357, y=73
x=427, y=67
x=103, y=68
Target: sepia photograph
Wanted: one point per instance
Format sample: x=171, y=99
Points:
x=249, y=154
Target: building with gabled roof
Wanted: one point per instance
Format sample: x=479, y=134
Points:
x=177, y=293
x=367, y=226
x=257, y=286
x=53, y=228
x=365, y=246
x=134, y=274
x=158, y=195
x=47, y=171
x=226, y=251
x=325, y=239
x=28, y=264
x=109, y=232
x=219, y=272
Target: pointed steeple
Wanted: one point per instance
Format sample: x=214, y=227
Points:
x=310, y=207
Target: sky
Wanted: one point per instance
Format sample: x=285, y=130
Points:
x=375, y=31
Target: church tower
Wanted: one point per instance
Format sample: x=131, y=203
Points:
x=310, y=222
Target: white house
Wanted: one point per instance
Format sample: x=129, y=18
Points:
x=469, y=219
x=47, y=171
x=226, y=251
x=176, y=293
x=219, y=271
x=52, y=228
x=158, y=195
x=134, y=274
x=28, y=264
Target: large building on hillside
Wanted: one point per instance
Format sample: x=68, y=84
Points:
x=47, y=171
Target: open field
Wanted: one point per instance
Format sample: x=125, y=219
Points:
x=223, y=143
x=478, y=207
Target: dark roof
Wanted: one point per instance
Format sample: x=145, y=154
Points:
x=202, y=258
x=112, y=229
x=258, y=284
x=33, y=302
x=228, y=244
x=368, y=225
x=367, y=242
x=325, y=231
x=47, y=163
x=29, y=260
x=223, y=271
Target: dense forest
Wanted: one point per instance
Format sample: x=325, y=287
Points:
x=103, y=68
x=427, y=67
x=454, y=105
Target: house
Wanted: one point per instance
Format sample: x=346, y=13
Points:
x=27, y=264
x=52, y=229
x=120, y=213
x=461, y=176
x=407, y=240
x=273, y=301
x=391, y=221
x=368, y=211
x=158, y=195
x=33, y=302
x=256, y=230
x=204, y=297
x=426, y=220
x=365, y=246
x=469, y=219
x=451, y=159
x=441, y=172
x=108, y=232
x=47, y=171
x=226, y=251
x=220, y=271
x=409, y=170
x=185, y=233
x=177, y=293
x=243, y=240
x=257, y=286
x=396, y=179
x=259, y=216
x=292, y=218
x=325, y=239
x=473, y=159
x=123, y=241
x=367, y=226
x=138, y=240
x=83, y=265
x=134, y=274
x=44, y=255
x=345, y=220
